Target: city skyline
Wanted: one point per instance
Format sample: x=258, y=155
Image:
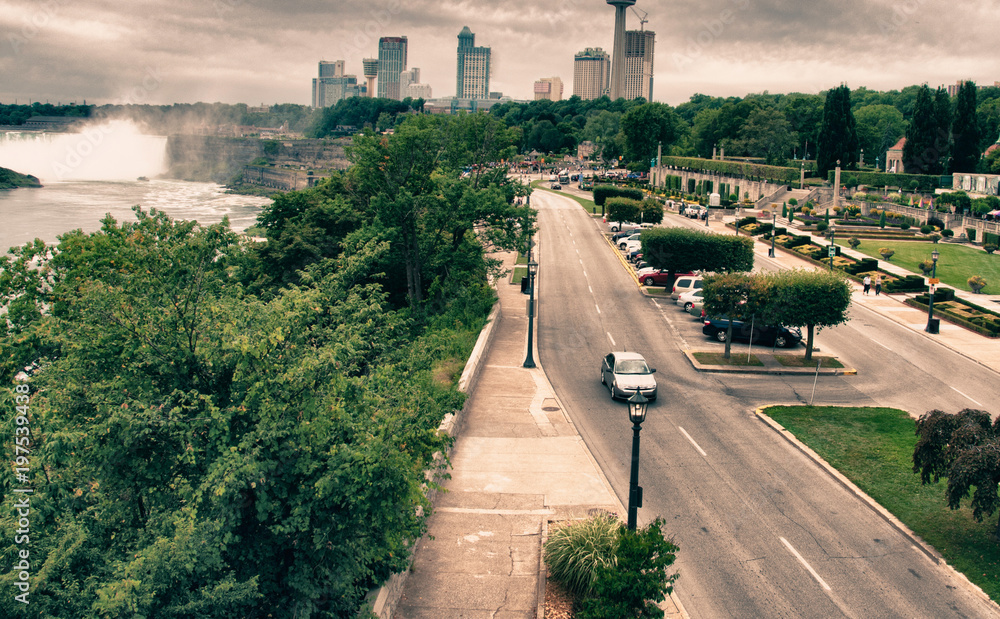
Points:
x=235, y=51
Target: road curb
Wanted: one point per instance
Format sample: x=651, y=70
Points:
x=918, y=542
x=743, y=369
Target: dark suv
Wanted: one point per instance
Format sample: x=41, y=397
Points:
x=782, y=337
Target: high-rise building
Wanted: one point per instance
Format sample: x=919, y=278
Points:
x=638, y=74
x=591, y=73
x=550, y=88
x=370, y=67
x=332, y=85
x=410, y=76
x=618, y=51
x=391, y=62
x=418, y=91
x=473, y=75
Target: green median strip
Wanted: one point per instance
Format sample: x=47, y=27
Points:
x=799, y=361
x=873, y=447
x=735, y=359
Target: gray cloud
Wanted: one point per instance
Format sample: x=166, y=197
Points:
x=255, y=51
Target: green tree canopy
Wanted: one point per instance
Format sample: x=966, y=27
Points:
x=679, y=250
x=838, y=138
x=966, y=152
x=964, y=448
x=927, y=142
x=808, y=299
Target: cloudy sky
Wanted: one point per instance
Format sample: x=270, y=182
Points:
x=257, y=51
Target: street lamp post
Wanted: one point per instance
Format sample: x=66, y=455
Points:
x=833, y=245
x=529, y=361
x=930, y=303
x=637, y=414
x=774, y=225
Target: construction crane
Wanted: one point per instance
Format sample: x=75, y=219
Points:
x=642, y=18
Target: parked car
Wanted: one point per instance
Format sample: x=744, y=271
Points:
x=632, y=238
x=691, y=299
x=685, y=284
x=695, y=211
x=624, y=372
x=555, y=186
x=627, y=232
x=615, y=226
x=782, y=337
x=657, y=277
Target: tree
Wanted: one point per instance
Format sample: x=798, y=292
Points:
x=838, y=137
x=623, y=209
x=646, y=126
x=683, y=249
x=808, y=299
x=766, y=133
x=966, y=153
x=926, y=144
x=965, y=448
x=736, y=296
x=879, y=128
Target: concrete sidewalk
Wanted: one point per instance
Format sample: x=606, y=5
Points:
x=518, y=463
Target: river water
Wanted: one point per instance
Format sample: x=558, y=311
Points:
x=95, y=172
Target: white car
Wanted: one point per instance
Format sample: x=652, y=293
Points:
x=623, y=373
x=691, y=299
x=623, y=242
x=684, y=284
x=615, y=226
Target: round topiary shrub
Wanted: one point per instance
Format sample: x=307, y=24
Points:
x=947, y=233
x=854, y=242
x=925, y=229
x=934, y=238
x=904, y=226
x=821, y=226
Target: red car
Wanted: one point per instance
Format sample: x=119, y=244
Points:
x=656, y=277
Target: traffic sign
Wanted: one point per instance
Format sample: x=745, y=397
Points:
x=832, y=251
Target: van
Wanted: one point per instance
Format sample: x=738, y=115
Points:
x=687, y=283
x=564, y=178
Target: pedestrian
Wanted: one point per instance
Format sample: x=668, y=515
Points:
x=868, y=283
x=878, y=284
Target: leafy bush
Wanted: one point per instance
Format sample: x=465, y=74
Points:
x=904, y=226
x=970, y=233
x=854, y=242
x=821, y=226
x=936, y=222
x=574, y=552
x=637, y=580
x=603, y=192
x=926, y=266
x=934, y=238
x=990, y=247
x=925, y=229
x=793, y=201
x=947, y=233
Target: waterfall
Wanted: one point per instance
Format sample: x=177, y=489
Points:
x=108, y=151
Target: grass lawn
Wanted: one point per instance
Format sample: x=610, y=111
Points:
x=956, y=264
x=799, y=361
x=517, y=274
x=873, y=447
x=717, y=358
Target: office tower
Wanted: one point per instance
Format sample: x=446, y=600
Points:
x=473, y=76
x=618, y=51
x=591, y=73
x=550, y=88
x=332, y=85
x=391, y=62
x=638, y=74
x=411, y=76
x=370, y=66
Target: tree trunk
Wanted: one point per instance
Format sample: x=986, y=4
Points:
x=809, y=343
x=729, y=338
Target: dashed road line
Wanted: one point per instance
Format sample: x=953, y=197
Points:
x=806, y=564
x=696, y=445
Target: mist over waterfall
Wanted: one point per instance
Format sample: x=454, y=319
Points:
x=109, y=151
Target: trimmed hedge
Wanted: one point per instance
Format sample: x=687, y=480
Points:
x=881, y=179
x=990, y=237
x=603, y=192
x=964, y=313
x=970, y=233
x=783, y=175
x=910, y=283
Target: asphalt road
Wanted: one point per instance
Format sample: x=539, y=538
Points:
x=763, y=531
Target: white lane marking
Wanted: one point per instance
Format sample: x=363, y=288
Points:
x=881, y=344
x=598, y=308
x=590, y=289
x=803, y=562
x=696, y=446
x=611, y=339
x=585, y=273
x=965, y=396
x=581, y=260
